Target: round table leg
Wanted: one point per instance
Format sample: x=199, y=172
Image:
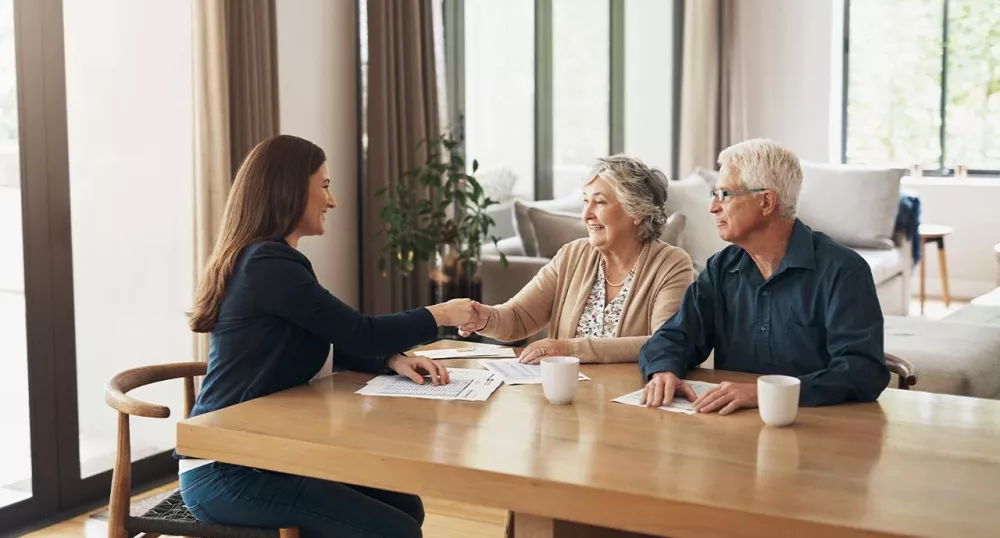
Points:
x=923, y=271
x=944, y=273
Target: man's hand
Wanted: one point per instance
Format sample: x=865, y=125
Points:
x=539, y=349
x=661, y=388
x=409, y=367
x=727, y=397
x=481, y=315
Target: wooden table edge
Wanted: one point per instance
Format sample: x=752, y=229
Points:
x=630, y=512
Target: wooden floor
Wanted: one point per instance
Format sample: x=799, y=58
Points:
x=445, y=519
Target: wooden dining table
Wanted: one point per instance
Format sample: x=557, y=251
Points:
x=910, y=464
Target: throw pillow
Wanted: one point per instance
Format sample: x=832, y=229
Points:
x=522, y=223
x=554, y=229
x=854, y=205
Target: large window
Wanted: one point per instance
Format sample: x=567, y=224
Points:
x=923, y=84
x=541, y=88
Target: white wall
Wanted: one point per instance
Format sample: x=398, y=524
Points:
x=130, y=129
x=792, y=88
x=970, y=207
x=317, y=101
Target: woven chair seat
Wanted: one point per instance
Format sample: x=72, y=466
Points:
x=171, y=517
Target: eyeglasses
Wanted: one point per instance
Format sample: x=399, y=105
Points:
x=722, y=194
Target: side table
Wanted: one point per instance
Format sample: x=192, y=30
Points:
x=934, y=233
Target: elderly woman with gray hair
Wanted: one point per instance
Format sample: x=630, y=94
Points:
x=603, y=296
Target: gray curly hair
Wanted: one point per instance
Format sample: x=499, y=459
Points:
x=641, y=190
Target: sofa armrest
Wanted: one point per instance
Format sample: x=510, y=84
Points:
x=501, y=284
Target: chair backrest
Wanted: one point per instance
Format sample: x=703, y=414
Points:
x=904, y=369
x=116, y=395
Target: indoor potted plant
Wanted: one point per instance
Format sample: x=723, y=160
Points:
x=439, y=218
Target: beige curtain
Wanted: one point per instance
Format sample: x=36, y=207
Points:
x=235, y=106
x=251, y=40
x=713, y=95
x=402, y=111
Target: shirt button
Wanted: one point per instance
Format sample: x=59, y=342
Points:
x=765, y=293
x=763, y=328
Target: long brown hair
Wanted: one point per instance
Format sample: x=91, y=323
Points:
x=267, y=199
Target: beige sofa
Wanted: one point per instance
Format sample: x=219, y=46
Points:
x=856, y=206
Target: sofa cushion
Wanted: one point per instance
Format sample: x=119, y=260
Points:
x=885, y=264
x=509, y=246
x=950, y=358
x=691, y=197
x=854, y=205
x=554, y=229
x=566, y=204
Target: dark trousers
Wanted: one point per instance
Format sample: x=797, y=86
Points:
x=233, y=495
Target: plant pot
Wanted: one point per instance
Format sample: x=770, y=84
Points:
x=450, y=278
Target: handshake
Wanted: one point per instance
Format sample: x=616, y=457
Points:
x=467, y=315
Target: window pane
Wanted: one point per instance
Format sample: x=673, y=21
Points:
x=500, y=95
x=894, y=82
x=581, y=89
x=130, y=131
x=649, y=81
x=15, y=451
x=972, y=124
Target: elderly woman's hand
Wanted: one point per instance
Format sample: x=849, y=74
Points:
x=546, y=347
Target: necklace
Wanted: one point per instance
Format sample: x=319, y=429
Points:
x=630, y=273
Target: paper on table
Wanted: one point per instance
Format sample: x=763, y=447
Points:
x=465, y=384
x=680, y=403
x=466, y=353
x=515, y=373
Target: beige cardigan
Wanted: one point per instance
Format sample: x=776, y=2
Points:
x=559, y=292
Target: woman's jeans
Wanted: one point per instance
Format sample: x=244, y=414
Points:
x=233, y=495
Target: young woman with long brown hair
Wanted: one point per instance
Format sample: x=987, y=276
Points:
x=271, y=326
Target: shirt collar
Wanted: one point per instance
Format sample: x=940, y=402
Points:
x=800, y=252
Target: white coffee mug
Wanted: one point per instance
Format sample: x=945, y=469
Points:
x=560, y=377
x=778, y=399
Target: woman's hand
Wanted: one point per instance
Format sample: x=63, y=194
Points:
x=454, y=313
x=536, y=351
x=410, y=366
x=478, y=323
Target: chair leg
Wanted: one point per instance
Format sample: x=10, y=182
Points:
x=944, y=273
x=121, y=482
x=289, y=533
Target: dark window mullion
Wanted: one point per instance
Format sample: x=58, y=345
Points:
x=543, y=100
x=944, y=85
x=616, y=112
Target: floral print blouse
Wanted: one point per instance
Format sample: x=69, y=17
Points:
x=599, y=320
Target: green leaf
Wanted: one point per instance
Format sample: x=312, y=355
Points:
x=475, y=165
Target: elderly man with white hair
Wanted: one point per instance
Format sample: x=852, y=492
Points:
x=781, y=299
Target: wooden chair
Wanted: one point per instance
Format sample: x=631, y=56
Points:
x=904, y=369
x=170, y=516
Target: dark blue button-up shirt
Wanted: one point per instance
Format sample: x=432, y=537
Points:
x=817, y=318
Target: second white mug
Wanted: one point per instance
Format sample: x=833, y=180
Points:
x=560, y=377
x=778, y=399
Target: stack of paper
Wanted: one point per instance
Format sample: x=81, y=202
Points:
x=680, y=404
x=464, y=384
x=467, y=353
x=515, y=373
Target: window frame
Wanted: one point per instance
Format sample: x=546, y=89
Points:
x=454, y=29
x=943, y=169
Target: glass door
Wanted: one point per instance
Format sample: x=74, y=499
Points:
x=96, y=241
x=28, y=480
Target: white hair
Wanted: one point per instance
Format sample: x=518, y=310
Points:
x=763, y=164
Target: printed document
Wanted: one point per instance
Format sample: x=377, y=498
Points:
x=515, y=373
x=467, y=353
x=680, y=403
x=464, y=384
